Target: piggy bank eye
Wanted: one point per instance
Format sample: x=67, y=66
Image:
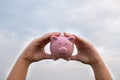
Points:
x=65, y=43
x=59, y=43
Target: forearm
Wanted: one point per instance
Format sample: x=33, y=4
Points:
x=100, y=71
x=19, y=70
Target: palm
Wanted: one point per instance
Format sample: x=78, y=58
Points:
x=83, y=56
x=38, y=54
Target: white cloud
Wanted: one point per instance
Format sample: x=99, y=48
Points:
x=112, y=25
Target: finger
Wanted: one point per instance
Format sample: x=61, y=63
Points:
x=74, y=57
x=80, y=42
x=48, y=56
x=56, y=34
x=45, y=39
x=79, y=39
x=48, y=35
x=67, y=34
x=67, y=59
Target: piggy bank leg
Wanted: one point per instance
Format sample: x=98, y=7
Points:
x=68, y=59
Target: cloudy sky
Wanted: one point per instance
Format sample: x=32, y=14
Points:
x=23, y=20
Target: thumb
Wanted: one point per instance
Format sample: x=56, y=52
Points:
x=47, y=56
x=74, y=57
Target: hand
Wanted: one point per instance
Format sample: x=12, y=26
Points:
x=86, y=53
x=35, y=51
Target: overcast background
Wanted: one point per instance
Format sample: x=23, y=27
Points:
x=23, y=20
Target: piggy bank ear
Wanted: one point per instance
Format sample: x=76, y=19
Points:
x=53, y=38
x=71, y=38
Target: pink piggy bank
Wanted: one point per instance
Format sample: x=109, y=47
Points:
x=62, y=47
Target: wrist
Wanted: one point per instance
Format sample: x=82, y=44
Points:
x=96, y=60
x=24, y=61
x=97, y=64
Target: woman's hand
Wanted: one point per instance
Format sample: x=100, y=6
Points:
x=35, y=50
x=86, y=53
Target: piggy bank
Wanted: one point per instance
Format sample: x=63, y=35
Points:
x=61, y=47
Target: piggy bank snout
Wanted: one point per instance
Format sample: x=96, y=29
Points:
x=62, y=49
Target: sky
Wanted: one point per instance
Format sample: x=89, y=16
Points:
x=98, y=21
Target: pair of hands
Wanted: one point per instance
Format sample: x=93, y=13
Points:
x=86, y=53
x=35, y=51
